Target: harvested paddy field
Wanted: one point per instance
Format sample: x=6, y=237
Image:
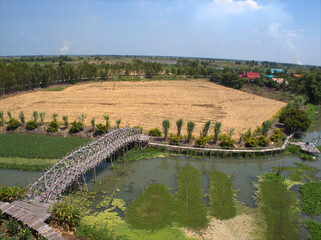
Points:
x=147, y=103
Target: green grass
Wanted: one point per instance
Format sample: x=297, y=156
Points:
x=38, y=146
x=297, y=175
x=222, y=203
x=311, y=198
x=146, y=153
x=279, y=206
x=191, y=210
x=311, y=112
x=319, y=148
x=314, y=230
x=25, y=164
x=55, y=88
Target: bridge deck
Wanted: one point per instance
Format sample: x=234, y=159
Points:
x=33, y=215
x=307, y=147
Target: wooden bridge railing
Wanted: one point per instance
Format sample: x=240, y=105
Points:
x=61, y=175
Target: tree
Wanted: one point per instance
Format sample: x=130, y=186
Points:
x=217, y=130
x=295, y=119
x=92, y=121
x=190, y=129
x=118, y=121
x=206, y=128
x=266, y=125
x=179, y=124
x=166, y=125
x=22, y=118
x=42, y=117
x=106, y=117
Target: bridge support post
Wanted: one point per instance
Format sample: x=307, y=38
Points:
x=95, y=174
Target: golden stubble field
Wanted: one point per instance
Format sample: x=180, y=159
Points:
x=147, y=103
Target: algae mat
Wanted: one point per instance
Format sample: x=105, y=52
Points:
x=147, y=103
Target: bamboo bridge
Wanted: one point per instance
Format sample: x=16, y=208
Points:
x=65, y=173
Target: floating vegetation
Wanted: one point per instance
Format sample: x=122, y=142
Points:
x=191, y=210
x=139, y=154
x=152, y=209
x=279, y=206
x=314, y=230
x=298, y=173
x=222, y=202
x=311, y=198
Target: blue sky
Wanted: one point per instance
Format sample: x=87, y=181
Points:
x=274, y=30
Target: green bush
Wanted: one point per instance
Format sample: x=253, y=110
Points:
x=311, y=201
x=314, y=230
x=191, y=210
x=76, y=127
x=13, y=124
x=295, y=119
x=250, y=142
x=174, y=139
x=101, y=129
x=201, y=141
x=277, y=135
x=226, y=141
x=13, y=227
x=166, y=125
x=26, y=234
x=95, y=233
x=65, y=215
x=9, y=194
x=1, y=217
x=155, y=132
x=263, y=141
x=53, y=127
x=221, y=193
x=31, y=125
x=152, y=209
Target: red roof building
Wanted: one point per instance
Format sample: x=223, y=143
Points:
x=250, y=75
x=296, y=75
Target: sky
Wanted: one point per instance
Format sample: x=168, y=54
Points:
x=264, y=30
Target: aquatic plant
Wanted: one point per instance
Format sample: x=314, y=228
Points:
x=311, y=202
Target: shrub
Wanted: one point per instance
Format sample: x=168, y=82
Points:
x=13, y=227
x=277, y=135
x=95, y=233
x=92, y=122
x=311, y=193
x=201, y=141
x=65, y=215
x=31, y=125
x=166, y=125
x=9, y=115
x=101, y=129
x=118, y=121
x=174, y=139
x=263, y=141
x=82, y=117
x=54, y=117
x=226, y=141
x=13, y=124
x=26, y=234
x=266, y=125
x=250, y=142
x=139, y=127
x=217, y=130
x=53, y=127
x=22, y=118
x=314, y=230
x=76, y=127
x=155, y=132
x=9, y=194
x=1, y=217
x=106, y=117
x=152, y=209
x=295, y=119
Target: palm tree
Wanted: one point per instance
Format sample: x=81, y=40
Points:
x=42, y=117
x=22, y=118
x=93, y=123
x=106, y=117
x=217, y=130
x=190, y=129
x=82, y=117
x=9, y=114
x=179, y=124
x=1, y=118
x=118, y=121
x=35, y=116
x=65, y=119
x=206, y=128
x=166, y=125
x=54, y=116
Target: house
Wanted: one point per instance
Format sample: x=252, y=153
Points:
x=296, y=75
x=279, y=80
x=249, y=75
x=275, y=70
x=269, y=76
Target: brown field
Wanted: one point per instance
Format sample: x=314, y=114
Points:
x=148, y=103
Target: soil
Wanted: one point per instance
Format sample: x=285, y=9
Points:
x=237, y=228
x=148, y=103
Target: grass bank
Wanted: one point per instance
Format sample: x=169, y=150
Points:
x=55, y=88
x=26, y=164
x=38, y=146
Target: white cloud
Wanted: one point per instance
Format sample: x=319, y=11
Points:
x=64, y=50
x=34, y=39
x=236, y=6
